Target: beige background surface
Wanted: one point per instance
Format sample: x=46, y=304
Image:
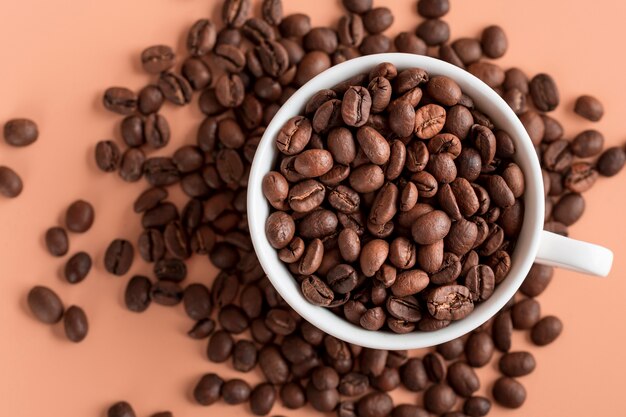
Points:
x=58, y=57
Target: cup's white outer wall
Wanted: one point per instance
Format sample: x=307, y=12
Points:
x=489, y=102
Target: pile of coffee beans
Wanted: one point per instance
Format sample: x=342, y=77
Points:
x=397, y=203
x=242, y=70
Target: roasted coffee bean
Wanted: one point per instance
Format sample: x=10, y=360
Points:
x=477, y=406
x=77, y=267
x=131, y=165
x=525, y=313
x=433, y=31
x=509, y=393
x=20, y=132
x=494, y=42
x=107, y=155
x=312, y=64
x=175, y=88
x=167, y=293
x=45, y=305
x=375, y=44
x=582, y=175
x=280, y=229
x=208, y=389
x=220, y=346
x=431, y=227
x=433, y=8
x=502, y=331
x=197, y=73
x=544, y=92
x=119, y=257
x=408, y=43
x=468, y=50
x=150, y=99
x=75, y=324
x=244, y=356
x=435, y=367
x=316, y=291
x=197, y=301
x=450, y=302
x=321, y=39
x=377, y=20
x=375, y=404
x=589, y=107
x=137, y=294
x=322, y=400
x=120, y=100
x=479, y=349
x=463, y=379
x=157, y=59
x=350, y=30
x=273, y=365
x=452, y=349
x=439, y=398
x=413, y=375
x=235, y=12
x=516, y=364
x=355, y=109
x=294, y=135
x=611, y=162
x=57, y=241
x=587, y=143
x=569, y=209
x=537, y=280
x=546, y=330
x=120, y=409
x=480, y=280
x=262, y=399
x=429, y=120
x=79, y=216
x=235, y=391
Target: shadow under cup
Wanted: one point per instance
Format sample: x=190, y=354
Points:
x=487, y=101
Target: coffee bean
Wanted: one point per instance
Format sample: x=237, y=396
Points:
x=433, y=31
x=587, y=143
x=525, y=313
x=79, y=216
x=546, y=330
x=150, y=99
x=435, y=367
x=537, y=280
x=433, y=8
x=589, y=107
x=509, y=393
x=431, y=227
x=582, y=175
x=131, y=165
x=312, y=64
x=450, y=302
x=107, y=155
x=262, y=399
x=120, y=409
x=490, y=74
x=166, y=293
x=273, y=365
x=375, y=404
x=377, y=20
x=20, y=132
x=479, y=349
x=544, y=92
x=157, y=59
x=201, y=37
x=235, y=391
x=75, y=324
x=502, y=331
x=197, y=73
x=477, y=406
x=408, y=43
x=235, y=12
x=220, y=346
x=463, y=379
x=439, y=398
x=452, y=349
x=175, y=88
x=77, y=267
x=494, y=42
x=611, y=162
x=57, y=241
x=316, y=291
x=208, y=389
x=137, y=294
x=355, y=107
x=120, y=100
x=119, y=257
x=280, y=229
x=45, y=304
x=413, y=375
x=516, y=364
x=429, y=120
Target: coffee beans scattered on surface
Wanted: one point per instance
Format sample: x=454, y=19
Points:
x=341, y=173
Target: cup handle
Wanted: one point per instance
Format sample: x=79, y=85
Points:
x=575, y=255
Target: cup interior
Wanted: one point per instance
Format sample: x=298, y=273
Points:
x=485, y=99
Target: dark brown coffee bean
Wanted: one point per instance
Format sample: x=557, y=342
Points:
x=120, y=100
x=431, y=227
x=166, y=293
x=312, y=64
x=373, y=319
x=509, y=393
x=57, y=241
x=235, y=12
x=452, y=349
x=377, y=20
x=408, y=43
x=408, y=410
x=120, y=409
x=439, y=398
x=516, y=101
x=546, y=330
x=157, y=59
x=306, y=196
x=119, y=257
x=235, y=391
x=468, y=50
x=273, y=365
x=197, y=73
x=479, y=349
x=45, y=305
x=525, y=313
x=582, y=175
x=463, y=379
x=131, y=165
x=375, y=404
x=137, y=294
x=175, y=88
x=544, y=92
x=77, y=267
x=569, y=209
x=494, y=42
x=355, y=107
x=433, y=31
x=316, y=291
x=435, y=367
x=537, y=280
x=262, y=399
x=350, y=30
x=401, y=117
x=433, y=8
x=489, y=73
x=587, y=143
x=75, y=324
x=107, y=155
x=220, y=346
x=611, y=162
x=318, y=224
x=375, y=44
x=502, y=331
x=79, y=216
x=20, y=132
x=450, y=302
x=516, y=364
x=229, y=90
x=208, y=389
x=481, y=282
x=477, y=406
x=589, y=107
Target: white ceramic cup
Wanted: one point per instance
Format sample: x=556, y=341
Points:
x=533, y=245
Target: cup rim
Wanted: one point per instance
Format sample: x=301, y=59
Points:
x=523, y=256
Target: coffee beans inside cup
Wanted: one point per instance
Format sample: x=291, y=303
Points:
x=391, y=206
